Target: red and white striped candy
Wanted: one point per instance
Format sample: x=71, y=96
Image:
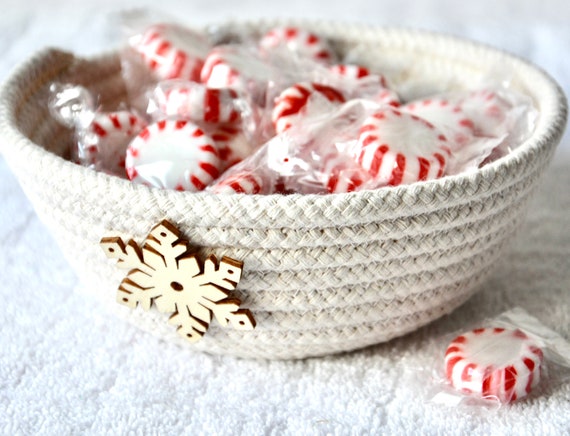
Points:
x=449, y=118
x=243, y=182
x=355, y=72
x=173, y=154
x=217, y=72
x=112, y=132
x=238, y=68
x=398, y=148
x=488, y=111
x=233, y=146
x=298, y=41
x=199, y=103
x=383, y=96
x=291, y=103
x=342, y=174
x=350, y=71
x=362, y=84
x=494, y=362
x=173, y=52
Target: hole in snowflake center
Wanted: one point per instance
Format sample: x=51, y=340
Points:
x=176, y=286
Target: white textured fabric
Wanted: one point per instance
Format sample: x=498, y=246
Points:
x=67, y=366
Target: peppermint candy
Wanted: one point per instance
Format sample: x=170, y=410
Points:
x=237, y=68
x=298, y=41
x=232, y=144
x=449, y=118
x=243, y=182
x=488, y=111
x=351, y=71
x=399, y=148
x=292, y=103
x=199, y=103
x=341, y=174
x=107, y=138
x=494, y=363
x=218, y=73
x=358, y=82
x=173, y=154
x=382, y=96
x=173, y=52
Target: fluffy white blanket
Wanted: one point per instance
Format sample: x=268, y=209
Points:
x=68, y=367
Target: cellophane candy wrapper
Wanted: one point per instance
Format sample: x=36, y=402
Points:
x=336, y=145
x=502, y=360
x=296, y=115
x=502, y=120
x=298, y=159
x=101, y=138
x=158, y=49
x=226, y=115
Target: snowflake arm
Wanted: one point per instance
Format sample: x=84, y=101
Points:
x=189, y=327
x=128, y=255
x=164, y=242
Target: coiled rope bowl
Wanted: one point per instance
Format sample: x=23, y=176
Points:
x=322, y=273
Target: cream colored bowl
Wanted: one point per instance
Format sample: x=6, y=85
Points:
x=322, y=274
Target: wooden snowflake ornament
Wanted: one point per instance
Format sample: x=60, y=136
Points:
x=166, y=274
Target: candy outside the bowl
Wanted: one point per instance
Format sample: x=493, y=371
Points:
x=494, y=363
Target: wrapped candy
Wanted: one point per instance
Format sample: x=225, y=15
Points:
x=173, y=154
x=494, y=362
x=302, y=158
x=239, y=68
x=357, y=81
x=196, y=102
x=223, y=114
x=449, y=118
x=172, y=51
x=101, y=137
x=292, y=103
x=298, y=42
x=397, y=148
x=500, y=361
x=280, y=113
x=240, y=183
x=232, y=143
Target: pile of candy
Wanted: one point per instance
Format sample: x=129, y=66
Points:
x=279, y=113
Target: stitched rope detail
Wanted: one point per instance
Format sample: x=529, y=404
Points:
x=323, y=274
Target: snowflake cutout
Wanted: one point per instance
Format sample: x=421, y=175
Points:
x=166, y=274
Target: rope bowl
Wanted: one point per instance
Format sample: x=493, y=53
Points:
x=322, y=273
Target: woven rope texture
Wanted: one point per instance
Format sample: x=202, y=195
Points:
x=323, y=274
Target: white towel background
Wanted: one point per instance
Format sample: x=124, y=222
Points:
x=69, y=367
